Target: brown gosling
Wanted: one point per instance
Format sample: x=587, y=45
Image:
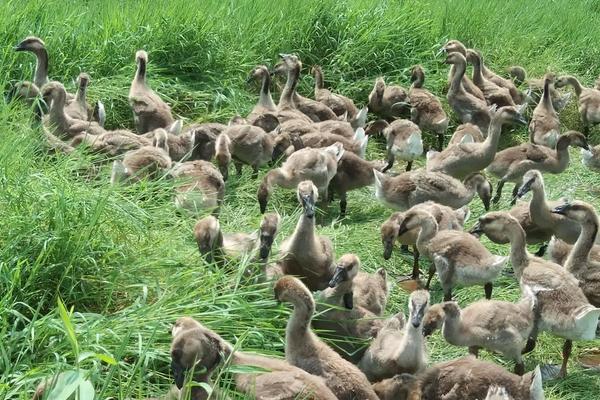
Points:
x=265, y=102
x=536, y=88
x=544, y=127
x=244, y=144
x=341, y=105
x=399, y=347
x=388, y=101
x=563, y=308
x=356, y=145
x=590, y=157
x=446, y=217
x=198, y=350
x=413, y=187
x=305, y=253
x=341, y=317
x=467, y=107
x=459, y=258
x=78, y=107
x=494, y=94
x=459, y=161
x=313, y=109
x=588, y=99
x=205, y=137
x=149, y=110
x=353, y=172
x=463, y=378
x=403, y=138
x=305, y=350
x=112, y=143
x=559, y=250
x=286, y=109
x=454, y=46
x=145, y=162
x=494, y=325
x=579, y=261
x=199, y=186
x=512, y=163
x=316, y=165
x=425, y=108
x=466, y=133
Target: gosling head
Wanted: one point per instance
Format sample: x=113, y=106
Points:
x=495, y=225
x=83, y=80
x=208, y=235
x=346, y=269
x=579, y=211
x=31, y=43
x=389, y=234
x=510, y=115
x=472, y=56
x=417, y=73
x=307, y=196
x=141, y=57
x=434, y=319
x=379, y=87
x=531, y=180
x=456, y=58
x=54, y=90
x=184, y=324
x=257, y=73
x=196, y=350
x=561, y=81
x=399, y=387
x=279, y=69
x=574, y=138
x=291, y=290
x=418, y=303
x=291, y=61
x=483, y=187
x=268, y=230
x=454, y=46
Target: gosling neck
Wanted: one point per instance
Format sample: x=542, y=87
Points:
x=453, y=329
x=458, y=72
x=562, y=155
x=477, y=70
x=286, y=99
x=412, y=339
x=335, y=294
x=519, y=258
x=81, y=94
x=578, y=259
x=429, y=228
x=546, y=96
x=576, y=85
x=41, y=68
x=265, y=92
x=299, y=323
x=57, y=109
x=494, y=132
x=419, y=80
x=318, y=79
x=140, y=73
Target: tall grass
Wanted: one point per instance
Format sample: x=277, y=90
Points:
x=124, y=260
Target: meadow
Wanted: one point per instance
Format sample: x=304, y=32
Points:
x=92, y=276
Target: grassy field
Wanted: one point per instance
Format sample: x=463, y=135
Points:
x=124, y=262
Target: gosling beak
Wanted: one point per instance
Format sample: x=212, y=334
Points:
x=266, y=241
x=417, y=316
x=524, y=189
x=349, y=300
x=178, y=373
x=387, y=249
x=440, y=52
x=339, y=276
x=309, y=205
x=476, y=230
x=20, y=47
x=562, y=209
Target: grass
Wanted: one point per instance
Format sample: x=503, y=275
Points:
x=123, y=261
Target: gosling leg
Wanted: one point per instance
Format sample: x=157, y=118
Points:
x=255, y=172
x=448, y=295
x=519, y=368
x=513, y=199
x=488, y=290
x=566, y=353
x=409, y=166
x=343, y=204
x=440, y=141
x=390, y=164
x=430, y=277
x=474, y=350
x=415, y=271
x=498, y=195
x=238, y=167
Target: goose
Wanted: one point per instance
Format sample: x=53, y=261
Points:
x=340, y=317
x=305, y=253
x=588, y=99
x=199, y=186
x=265, y=102
x=399, y=347
x=409, y=188
x=468, y=107
x=316, y=165
x=536, y=88
x=286, y=109
x=517, y=96
x=563, y=310
x=425, y=108
x=459, y=258
x=540, y=209
x=213, y=244
x=182, y=143
x=388, y=101
x=145, y=162
x=78, y=107
x=463, y=378
x=356, y=145
x=463, y=159
x=199, y=349
x=590, y=157
x=245, y=144
x=112, y=143
x=339, y=104
x=499, y=326
x=204, y=138
x=353, y=172
x=559, y=250
x=305, y=350
x=446, y=217
x=454, y=46
x=313, y=109
x=403, y=141
x=494, y=94
x=512, y=163
x=36, y=46
x=544, y=127
x=149, y=110
x=579, y=262
x=466, y=133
